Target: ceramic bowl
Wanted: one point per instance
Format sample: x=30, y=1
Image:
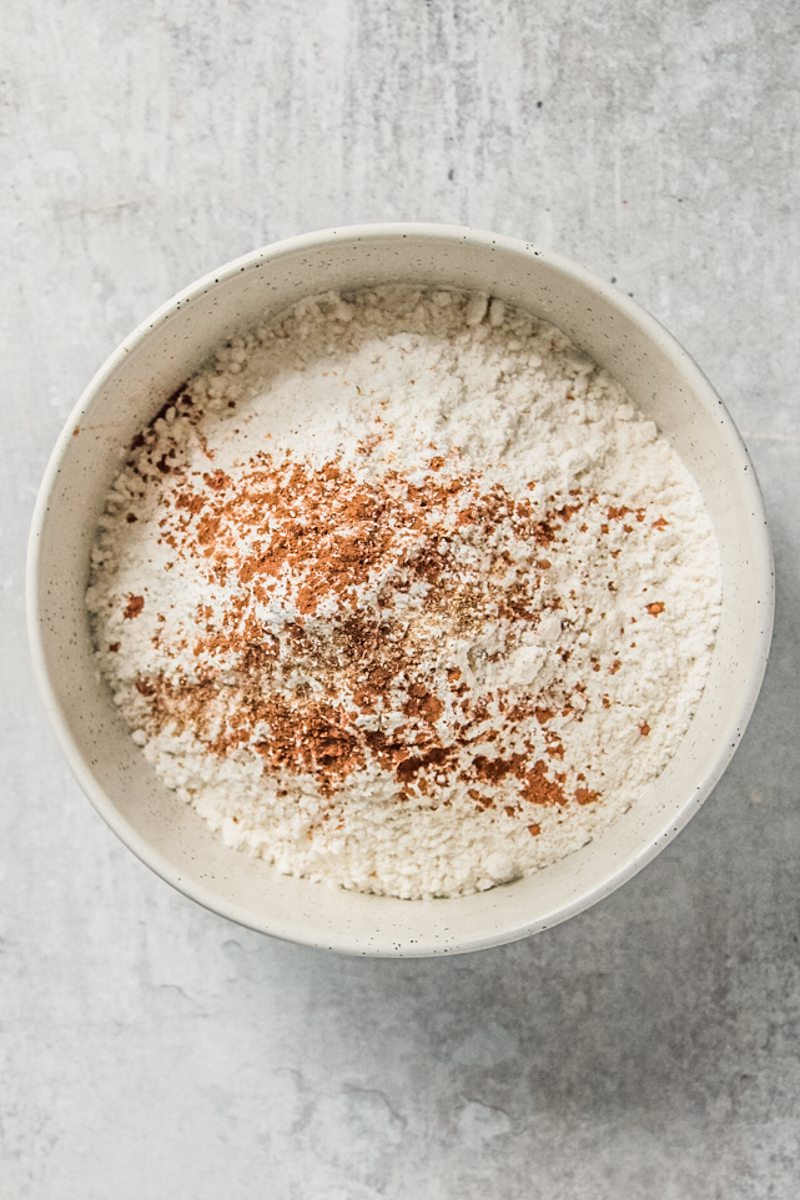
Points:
x=168, y=348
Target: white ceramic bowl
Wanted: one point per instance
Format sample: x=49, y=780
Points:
x=159, y=356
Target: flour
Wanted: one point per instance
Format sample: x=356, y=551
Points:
x=403, y=593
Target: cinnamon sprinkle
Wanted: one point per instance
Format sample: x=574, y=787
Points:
x=315, y=538
x=133, y=607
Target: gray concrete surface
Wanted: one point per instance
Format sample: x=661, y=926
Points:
x=646, y=1049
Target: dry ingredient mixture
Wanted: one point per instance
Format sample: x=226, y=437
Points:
x=402, y=592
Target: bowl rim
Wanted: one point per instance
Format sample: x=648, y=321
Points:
x=653, y=330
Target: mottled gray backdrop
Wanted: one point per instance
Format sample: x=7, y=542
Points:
x=646, y=1049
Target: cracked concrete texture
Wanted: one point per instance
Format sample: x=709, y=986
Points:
x=647, y=1048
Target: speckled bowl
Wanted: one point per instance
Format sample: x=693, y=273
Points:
x=160, y=355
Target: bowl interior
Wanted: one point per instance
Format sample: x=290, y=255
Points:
x=160, y=356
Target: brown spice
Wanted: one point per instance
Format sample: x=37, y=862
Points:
x=133, y=607
x=321, y=534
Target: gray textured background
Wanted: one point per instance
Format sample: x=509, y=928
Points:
x=646, y=1049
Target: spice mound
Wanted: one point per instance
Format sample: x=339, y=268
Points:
x=403, y=593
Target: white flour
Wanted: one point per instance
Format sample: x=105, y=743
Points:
x=403, y=593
